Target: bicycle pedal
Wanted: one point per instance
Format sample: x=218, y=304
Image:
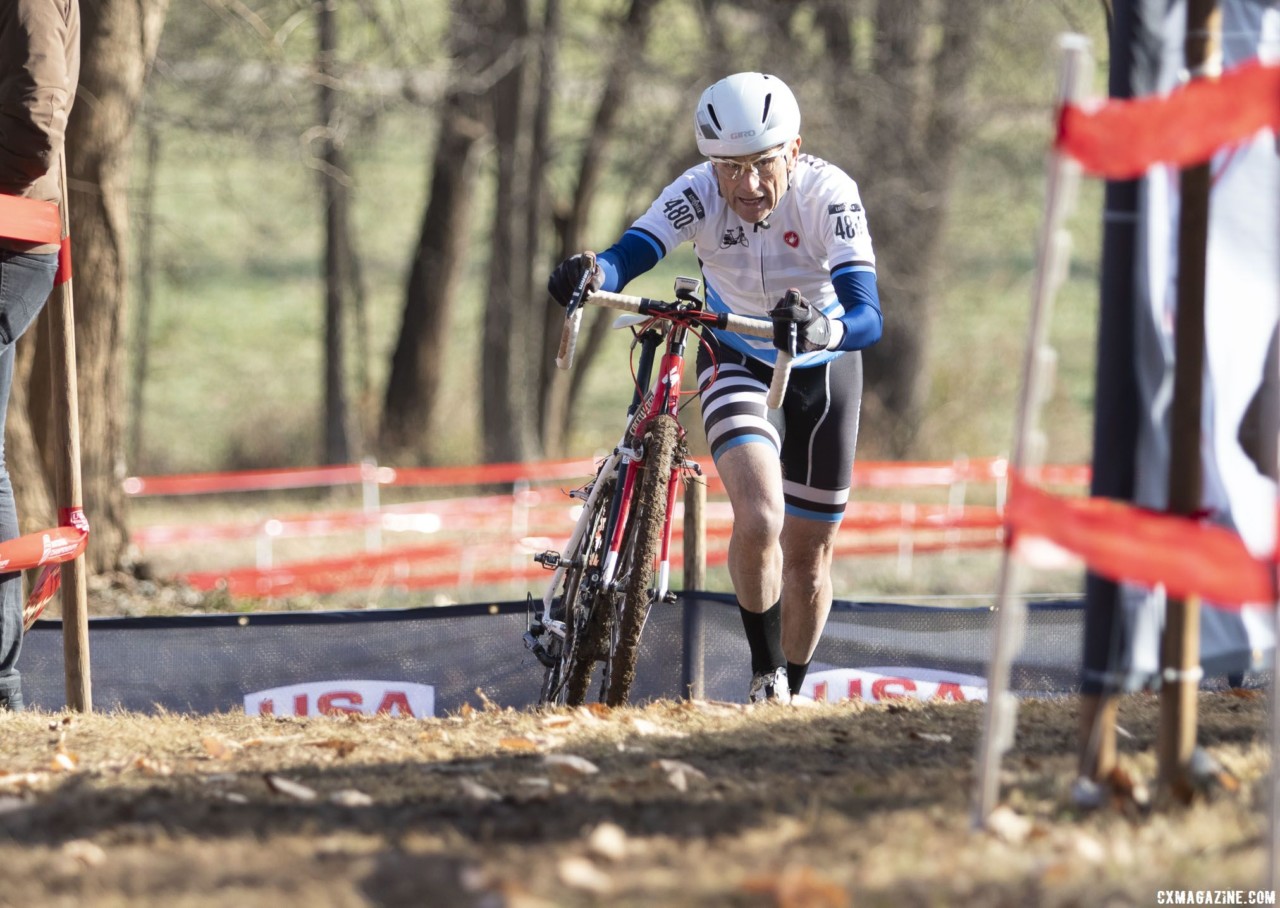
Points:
x=549, y=560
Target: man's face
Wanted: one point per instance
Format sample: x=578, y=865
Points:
x=753, y=184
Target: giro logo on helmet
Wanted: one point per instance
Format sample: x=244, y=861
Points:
x=745, y=134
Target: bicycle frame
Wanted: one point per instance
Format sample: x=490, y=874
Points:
x=625, y=462
x=605, y=583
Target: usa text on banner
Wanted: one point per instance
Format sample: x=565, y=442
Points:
x=1143, y=547
x=29, y=220
x=1121, y=139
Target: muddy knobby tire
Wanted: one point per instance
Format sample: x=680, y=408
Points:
x=587, y=634
x=641, y=545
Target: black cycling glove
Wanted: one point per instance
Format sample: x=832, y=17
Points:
x=564, y=279
x=813, y=330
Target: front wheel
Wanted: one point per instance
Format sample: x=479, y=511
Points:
x=568, y=678
x=642, y=542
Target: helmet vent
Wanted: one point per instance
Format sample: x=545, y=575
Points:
x=768, y=99
x=714, y=119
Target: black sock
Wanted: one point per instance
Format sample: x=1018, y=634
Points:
x=795, y=676
x=764, y=637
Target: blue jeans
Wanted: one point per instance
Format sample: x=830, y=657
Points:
x=25, y=283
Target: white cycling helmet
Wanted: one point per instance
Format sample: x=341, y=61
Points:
x=744, y=114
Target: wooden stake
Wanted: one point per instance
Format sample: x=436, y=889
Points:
x=695, y=579
x=69, y=492
x=1180, y=644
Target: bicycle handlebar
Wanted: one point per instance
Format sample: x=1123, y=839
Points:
x=739, y=324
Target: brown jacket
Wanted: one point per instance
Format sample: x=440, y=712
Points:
x=39, y=71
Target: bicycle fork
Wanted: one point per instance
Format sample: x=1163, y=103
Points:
x=665, y=400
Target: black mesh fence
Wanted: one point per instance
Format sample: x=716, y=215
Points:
x=213, y=663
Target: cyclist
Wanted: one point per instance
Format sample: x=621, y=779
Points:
x=780, y=235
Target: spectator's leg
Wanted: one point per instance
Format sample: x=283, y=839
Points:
x=25, y=283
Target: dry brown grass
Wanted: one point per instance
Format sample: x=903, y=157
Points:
x=670, y=804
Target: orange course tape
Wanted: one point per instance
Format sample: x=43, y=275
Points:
x=1122, y=138
x=1147, y=548
x=29, y=220
x=46, y=550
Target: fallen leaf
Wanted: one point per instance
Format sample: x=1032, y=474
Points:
x=18, y=781
x=85, y=852
x=608, y=840
x=350, y=797
x=337, y=745
x=467, y=711
x=644, y=726
x=272, y=742
x=474, y=879
x=1007, y=825
x=599, y=710
x=568, y=764
x=679, y=773
x=580, y=873
x=934, y=738
x=1126, y=790
x=150, y=767
x=478, y=792
x=799, y=887
x=1088, y=848
x=64, y=762
x=295, y=790
x=220, y=748
x=558, y=721
x=522, y=744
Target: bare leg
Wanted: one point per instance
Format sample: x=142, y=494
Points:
x=753, y=481
x=808, y=547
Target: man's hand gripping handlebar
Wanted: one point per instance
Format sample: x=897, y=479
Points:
x=753, y=327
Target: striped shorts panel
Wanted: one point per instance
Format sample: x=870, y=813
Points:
x=819, y=423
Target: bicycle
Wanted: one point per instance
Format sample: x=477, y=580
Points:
x=595, y=607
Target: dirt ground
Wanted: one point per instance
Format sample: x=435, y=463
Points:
x=670, y=804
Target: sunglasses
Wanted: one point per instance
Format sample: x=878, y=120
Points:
x=734, y=169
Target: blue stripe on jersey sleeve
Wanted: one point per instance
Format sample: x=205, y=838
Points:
x=856, y=289
x=630, y=257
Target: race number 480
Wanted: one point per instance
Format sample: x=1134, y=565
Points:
x=678, y=213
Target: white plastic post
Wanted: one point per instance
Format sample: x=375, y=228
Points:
x=1000, y=713
x=372, y=505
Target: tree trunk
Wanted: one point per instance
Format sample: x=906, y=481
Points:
x=505, y=414
x=413, y=387
x=334, y=179
x=417, y=366
x=559, y=389
x=146, y=293
x=118, y=43
x=537, y=222
x=913, y=103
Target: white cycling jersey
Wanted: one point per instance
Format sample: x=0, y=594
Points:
x=818, y=229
